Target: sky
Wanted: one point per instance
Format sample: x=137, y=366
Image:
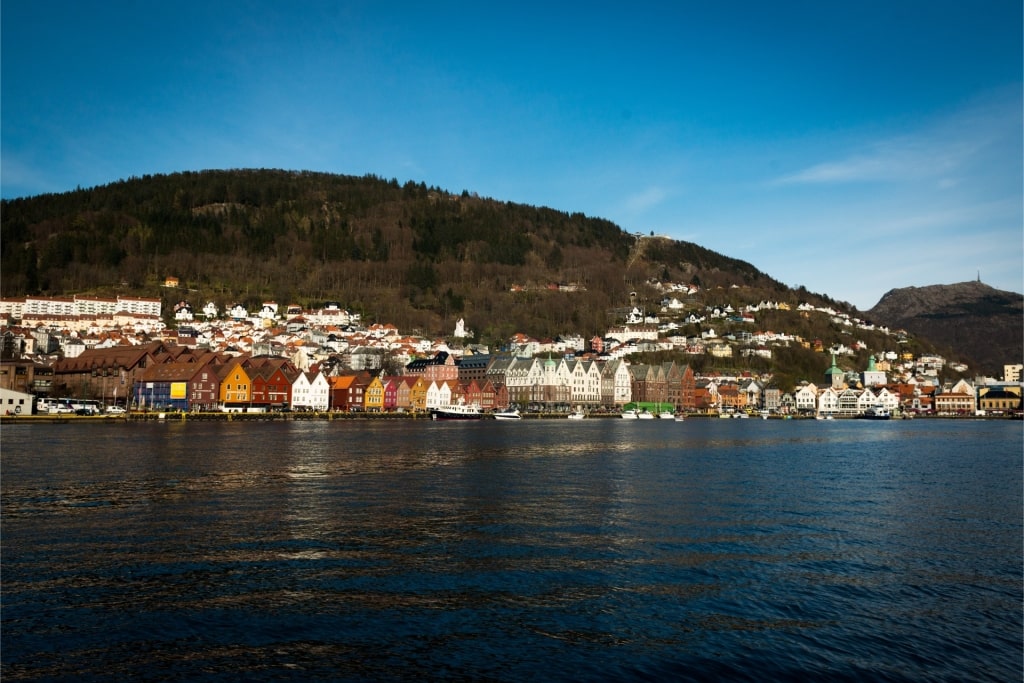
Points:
x=847, y=147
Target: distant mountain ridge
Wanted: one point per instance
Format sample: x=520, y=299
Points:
x=983, y=323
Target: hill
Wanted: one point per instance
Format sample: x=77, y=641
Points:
x=408, y=254
x=984, y=324
x=417, y=256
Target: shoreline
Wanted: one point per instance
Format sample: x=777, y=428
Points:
x=332, y=416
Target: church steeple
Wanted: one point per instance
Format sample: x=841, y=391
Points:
x=834, y=376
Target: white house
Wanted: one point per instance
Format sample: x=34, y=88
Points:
x=806, y=398
x=867, y=399
x=849, y=400
x=269, y=310
x=828, y=402
x=887, y=400
x=311, y=391
x=439, y=395
x=183, y=312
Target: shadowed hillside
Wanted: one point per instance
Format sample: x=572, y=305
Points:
x=984, y=324
x=414, y=255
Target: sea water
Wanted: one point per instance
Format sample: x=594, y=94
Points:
x=554, y=550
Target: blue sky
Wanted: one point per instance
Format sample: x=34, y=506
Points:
x=847, y=147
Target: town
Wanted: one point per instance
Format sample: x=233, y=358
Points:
x=93, y=354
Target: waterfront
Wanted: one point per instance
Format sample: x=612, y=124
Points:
x=551, y=549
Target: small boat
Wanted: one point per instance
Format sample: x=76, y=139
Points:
x=875, y=413
x=666, y=415
x=645, y=415
x=680, y=417
x=458, y=411
x=577, y=414
x=508, y=414
x=631, y=414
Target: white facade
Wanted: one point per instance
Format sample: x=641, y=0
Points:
x=311, y=390
x=828, y=402
x=78, y=306
x=806, y=398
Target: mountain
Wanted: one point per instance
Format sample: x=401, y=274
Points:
x=418, y=257
x=984, y=324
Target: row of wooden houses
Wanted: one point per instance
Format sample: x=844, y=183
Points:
x=164, y=376
x=169, y=377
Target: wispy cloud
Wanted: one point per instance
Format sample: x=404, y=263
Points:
x=646, y=199
x=897, y=159
x=937, y=152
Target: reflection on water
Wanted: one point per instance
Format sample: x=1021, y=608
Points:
x=594, y=550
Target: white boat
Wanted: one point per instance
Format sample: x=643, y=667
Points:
x=458, y=411
x=508, y=414
x=666, y=415
x=645, y=415
x=577, y=414
x=680, y=418
x=875, y=413
x=631, y=414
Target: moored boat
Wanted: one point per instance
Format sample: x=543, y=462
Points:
x=577, y=414
x=508, y=414
x=457, y=411
x=875, y=413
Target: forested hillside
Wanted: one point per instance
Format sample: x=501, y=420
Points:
x=410, y=254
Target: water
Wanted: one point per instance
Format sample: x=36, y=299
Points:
x=552, y=550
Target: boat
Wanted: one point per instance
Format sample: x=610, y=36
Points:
x=508, y=414
x=667, y=415
x=645, y=415
x=875, y=413
x=630, y=414
x=577, y=414
x=680, y=417
x=458, y=411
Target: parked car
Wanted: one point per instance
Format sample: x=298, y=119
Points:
x=115, y=410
